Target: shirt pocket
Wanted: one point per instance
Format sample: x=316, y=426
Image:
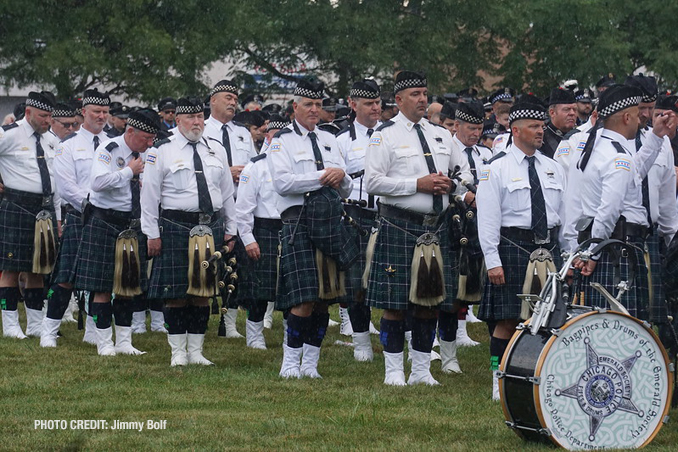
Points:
x=214, y=170
x=553, y=192
x=410, y=159
x=518, y=196
x=304, y=162
x=181, y=175
x=82, y=160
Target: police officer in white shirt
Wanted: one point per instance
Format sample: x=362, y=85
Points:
x=365, y=103
x=259, y=227
x=186, y=184
x=519, y=211
x=26, y=167
x=72, y=167
x=407, y=166
x=303, y=159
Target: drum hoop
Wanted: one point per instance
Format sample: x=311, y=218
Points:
x=547, y=348
x=502, y=368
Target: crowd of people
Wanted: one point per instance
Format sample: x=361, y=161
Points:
x=414, y=204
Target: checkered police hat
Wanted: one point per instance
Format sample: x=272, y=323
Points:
x=144, y=120
x=276, y=122
x=648, y=85
x=94, y=97
x=167, y=103
x=224, y=86
x=448, y=110
x=561, y=96
x=310, y=87
x=583, y=95
x=502, y=95
x=617, y=98
x=44, y=100
x=472, y=112
x=189, y=105
x=529, y=107
x=366, y=89
x=62, y=110
x=409, y=79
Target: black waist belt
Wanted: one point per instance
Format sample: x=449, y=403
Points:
x=527, y=235
x=359, y=212
x=268, y=223
x=622, y=231
x=25, y=198
x=397, y=213
x=188, y=217
x=291, y=213
x=112, y=216
x=67, y=208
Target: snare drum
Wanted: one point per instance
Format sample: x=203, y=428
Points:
x=603, y=380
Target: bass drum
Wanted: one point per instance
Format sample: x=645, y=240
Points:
x=602, y=381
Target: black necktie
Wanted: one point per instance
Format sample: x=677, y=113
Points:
x=539, y=225
x=370, y=132
x=134, y=185
x=226, y=141
x=204, y=198
x=646, y=185
x=96, y=142
x=42, y=166
x=472, y=164
x=437, y=199
x=316, y=151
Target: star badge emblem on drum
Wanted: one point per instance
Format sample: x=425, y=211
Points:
x=603, y=388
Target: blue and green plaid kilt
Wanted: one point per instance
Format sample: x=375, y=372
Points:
x=17, y=236
x=169, y=274
x=354, y=275
x=636, y=300
x=65, y=269
x=502, y=302
x=658, y=309
x=258, y=281
x=96, y=256
x=390, y=270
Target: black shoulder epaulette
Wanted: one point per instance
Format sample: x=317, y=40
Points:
x=238, y=123
x=496, y=157
x=258, y=157
x=570, y=133
x=388, y=123
x=110, y=146
x=483, y=146
x=161, y=142
x=282, y=132
x=7, y=127
x=214, y=139
x=434, y=124
x=620, y=149
x=68, y=137
x=344, y=130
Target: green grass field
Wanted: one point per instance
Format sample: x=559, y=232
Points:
x=242, y=404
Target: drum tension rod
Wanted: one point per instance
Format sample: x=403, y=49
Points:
x=533, y=380
x=541, y=431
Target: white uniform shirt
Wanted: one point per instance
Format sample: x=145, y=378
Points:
x=111, y=176
x=73, y=165
x=504, y=198
x=481, y=155
x=500, y=143
x=354, y=156
x=242, y=147
x=169, y=181
x=18, y=162
x=395, y=161
x=292, y=164
x=256, y=198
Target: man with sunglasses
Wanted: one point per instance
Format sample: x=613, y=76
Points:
x=63, y=121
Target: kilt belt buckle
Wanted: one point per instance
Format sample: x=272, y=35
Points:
x=430, y=220
x=538, y=241
x=134, y=223
x=204, y=218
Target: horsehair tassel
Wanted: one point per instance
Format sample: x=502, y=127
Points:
x=423, y=289
x=134, y=270
x=125, y=267
x=195, y=277
x=210, y=275
x=436, y=277
x=51, y=247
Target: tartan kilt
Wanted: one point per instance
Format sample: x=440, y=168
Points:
x=636, y=300
x=393, y=250
x=169, y=273
x=502, y=302
x=65, y=269
x=17, y=237
x=96, y=256
x=354, y=275
x=658, y=309
x=258, y=281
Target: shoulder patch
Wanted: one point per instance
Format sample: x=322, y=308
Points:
x=620, y=149
x=386, y=124
x=562, y=151
x=375, y=140
x=104, y=157
x=68, y=137
x=498, y=139
x=111, y=146
x=484, y=175
x=622, y=163
x=161, y=142
x=11, y=126
x=150, y=158
x=496, y=157
x=258, y=157
x=282, y=132
x=244, y=178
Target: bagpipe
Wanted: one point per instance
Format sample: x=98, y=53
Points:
x=223, y=265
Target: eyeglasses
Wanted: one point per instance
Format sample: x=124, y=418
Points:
x=68, y=125
x=167, y=112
